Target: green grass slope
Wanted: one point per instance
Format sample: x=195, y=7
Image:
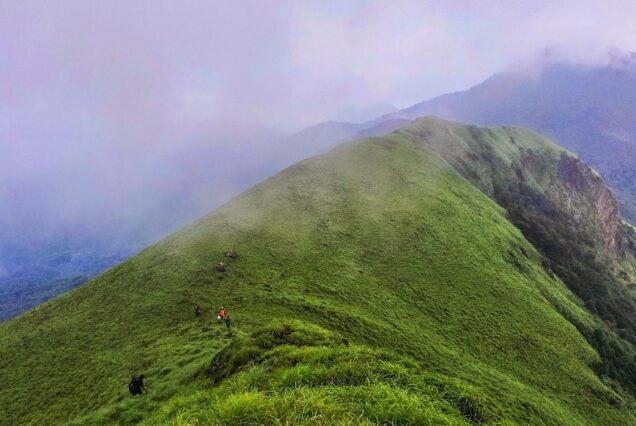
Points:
x=373, y=284
x=305, y=375
x=567, y=212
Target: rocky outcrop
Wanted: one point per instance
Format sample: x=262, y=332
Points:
x=583, y=184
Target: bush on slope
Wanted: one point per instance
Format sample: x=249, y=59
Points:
x=294, y=373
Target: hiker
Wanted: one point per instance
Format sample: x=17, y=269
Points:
x=220, y=316
x=197, y=310
x=136, y=385
x=228, y=322
x=220, y=267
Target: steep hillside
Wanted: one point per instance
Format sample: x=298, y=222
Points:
x=40, y=258
x=586, y=109
x=565, y=210
x=376, y=283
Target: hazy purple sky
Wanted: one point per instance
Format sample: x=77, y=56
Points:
x=136, y=65
x=91, y=92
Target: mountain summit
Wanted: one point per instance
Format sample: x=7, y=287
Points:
x=586, y=109
x=421, y=277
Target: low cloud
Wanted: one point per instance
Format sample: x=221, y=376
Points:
x=107, y=107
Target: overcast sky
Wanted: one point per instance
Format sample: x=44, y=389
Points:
x=135, y=65
x=90, y=87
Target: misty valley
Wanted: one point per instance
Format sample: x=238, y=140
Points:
x=300, y=213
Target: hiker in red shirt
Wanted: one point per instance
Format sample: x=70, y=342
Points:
x=221, y=315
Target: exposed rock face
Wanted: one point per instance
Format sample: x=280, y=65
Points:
x=548, y=184
x=581, y=182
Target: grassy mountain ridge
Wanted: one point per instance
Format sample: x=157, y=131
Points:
x=185, y=184
x=382, y=242
x=587, y=109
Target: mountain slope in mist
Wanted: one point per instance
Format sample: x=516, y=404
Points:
x=397, y=289
x=46, y=256
x=587, y=109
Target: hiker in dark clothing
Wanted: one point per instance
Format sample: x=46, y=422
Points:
x=136, y=385
x=228, y=322
x=197, y=310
